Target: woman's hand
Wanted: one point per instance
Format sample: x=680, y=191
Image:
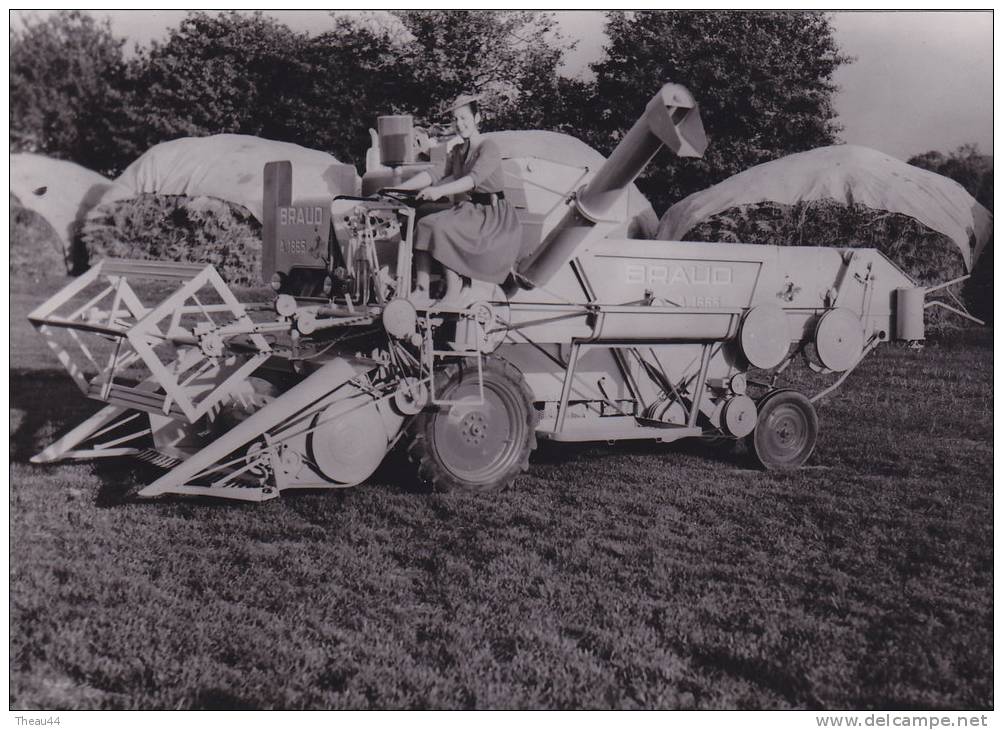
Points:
x=432, y=192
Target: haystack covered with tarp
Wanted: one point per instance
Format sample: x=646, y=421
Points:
x=49, y=199
x=850, y=196
x=199, y=199
x=551, y=164
x=230, y=167
x=848, y=175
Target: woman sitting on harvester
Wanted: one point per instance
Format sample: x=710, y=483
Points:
x=479, y=236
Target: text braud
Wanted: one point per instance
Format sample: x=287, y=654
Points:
x=301, y=216
x=687, y=274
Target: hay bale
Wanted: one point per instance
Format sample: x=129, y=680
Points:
x=177, y=228
x=36, y=249
x=61, y=192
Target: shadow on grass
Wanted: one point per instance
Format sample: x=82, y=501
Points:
x=796, y=690
x=220, y=699
x=725, y=451
x=44, y=405
x=47, y=404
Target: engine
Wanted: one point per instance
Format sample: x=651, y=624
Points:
x=351, y=247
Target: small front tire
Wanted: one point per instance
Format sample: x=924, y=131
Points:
x=786, y=430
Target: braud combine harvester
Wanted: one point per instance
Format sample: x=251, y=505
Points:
x=596, y=337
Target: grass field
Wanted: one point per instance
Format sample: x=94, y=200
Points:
x=635, y=576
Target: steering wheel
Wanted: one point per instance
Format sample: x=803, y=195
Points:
x=401, y=196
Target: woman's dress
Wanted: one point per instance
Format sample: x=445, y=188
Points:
x=476, y=239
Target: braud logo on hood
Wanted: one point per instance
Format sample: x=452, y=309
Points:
x=670, y=273
x=302, y=233
x=296, y=215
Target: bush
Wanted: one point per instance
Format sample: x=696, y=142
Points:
x=979, y=289
x=177, y=228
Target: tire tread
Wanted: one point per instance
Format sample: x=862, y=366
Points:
x=420, y=453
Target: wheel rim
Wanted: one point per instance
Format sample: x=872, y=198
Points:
x=787, y=435
x=479, y=443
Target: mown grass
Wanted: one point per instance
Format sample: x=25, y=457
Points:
x=635, y=576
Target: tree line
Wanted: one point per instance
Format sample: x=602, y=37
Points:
x=763, y=79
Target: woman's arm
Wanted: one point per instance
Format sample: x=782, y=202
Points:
x=419, y=181
x=487, y=163
x=435, y=176
x=447, y=187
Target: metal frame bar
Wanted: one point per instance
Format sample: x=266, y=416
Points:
x=405, y=254
x=697, y=382
x=955, y=310
x=569, y=375
x=872, y=343
x=700, y=385
x=938, y=287
x=628, y=377
x=143, y=334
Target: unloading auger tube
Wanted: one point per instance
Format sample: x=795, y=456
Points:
x=596, y=337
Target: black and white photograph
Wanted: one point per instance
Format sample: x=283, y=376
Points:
x=502, y=359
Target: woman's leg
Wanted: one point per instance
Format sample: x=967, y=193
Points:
x=422, y=260
x=454, y=285
x=422, y=279
x=422, y=272
x=425, y=233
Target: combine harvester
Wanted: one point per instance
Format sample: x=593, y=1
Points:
x=596, y=337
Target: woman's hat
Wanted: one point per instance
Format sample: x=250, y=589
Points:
x=462, y=100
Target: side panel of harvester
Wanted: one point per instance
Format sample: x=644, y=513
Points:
x=755, y=302
x=627, y=337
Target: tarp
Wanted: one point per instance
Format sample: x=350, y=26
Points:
x=229, y=167
x=61, y=192
x=552, y=164
x=847, y=174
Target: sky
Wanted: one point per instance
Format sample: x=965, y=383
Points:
x=919, y=81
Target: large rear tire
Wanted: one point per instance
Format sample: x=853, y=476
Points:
x=786, y=430
x=469, y=445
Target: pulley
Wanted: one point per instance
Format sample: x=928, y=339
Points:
x=839, y=339
x=399, y=318
x=764, y=337
x=349, y=439
x=482, y=327
x=738, y=416
x=411, y=396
